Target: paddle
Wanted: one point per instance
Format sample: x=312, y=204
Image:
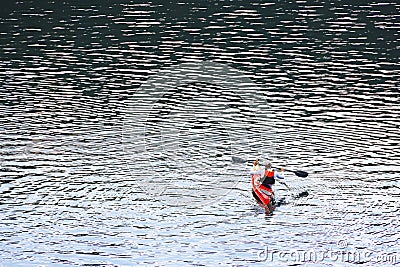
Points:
x=298, y=173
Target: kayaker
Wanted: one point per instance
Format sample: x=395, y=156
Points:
x=270, y=175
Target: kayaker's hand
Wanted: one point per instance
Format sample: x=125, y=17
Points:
x=282, y=169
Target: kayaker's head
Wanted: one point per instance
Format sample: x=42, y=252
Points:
x=268, y=165
x=256, y=162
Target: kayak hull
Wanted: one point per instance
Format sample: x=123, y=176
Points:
x=264, y=195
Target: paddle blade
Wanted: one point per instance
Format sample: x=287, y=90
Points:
x=302, y=194
x=238, y=160
x=301, y=173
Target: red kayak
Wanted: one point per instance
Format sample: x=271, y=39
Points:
x=264, y=195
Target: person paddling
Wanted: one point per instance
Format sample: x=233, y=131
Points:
x=270, y=175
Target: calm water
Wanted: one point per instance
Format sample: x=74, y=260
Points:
x=119, y=122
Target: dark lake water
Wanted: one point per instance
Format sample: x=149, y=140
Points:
x=119, y=121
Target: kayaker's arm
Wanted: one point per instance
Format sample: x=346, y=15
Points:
x=280, y=175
